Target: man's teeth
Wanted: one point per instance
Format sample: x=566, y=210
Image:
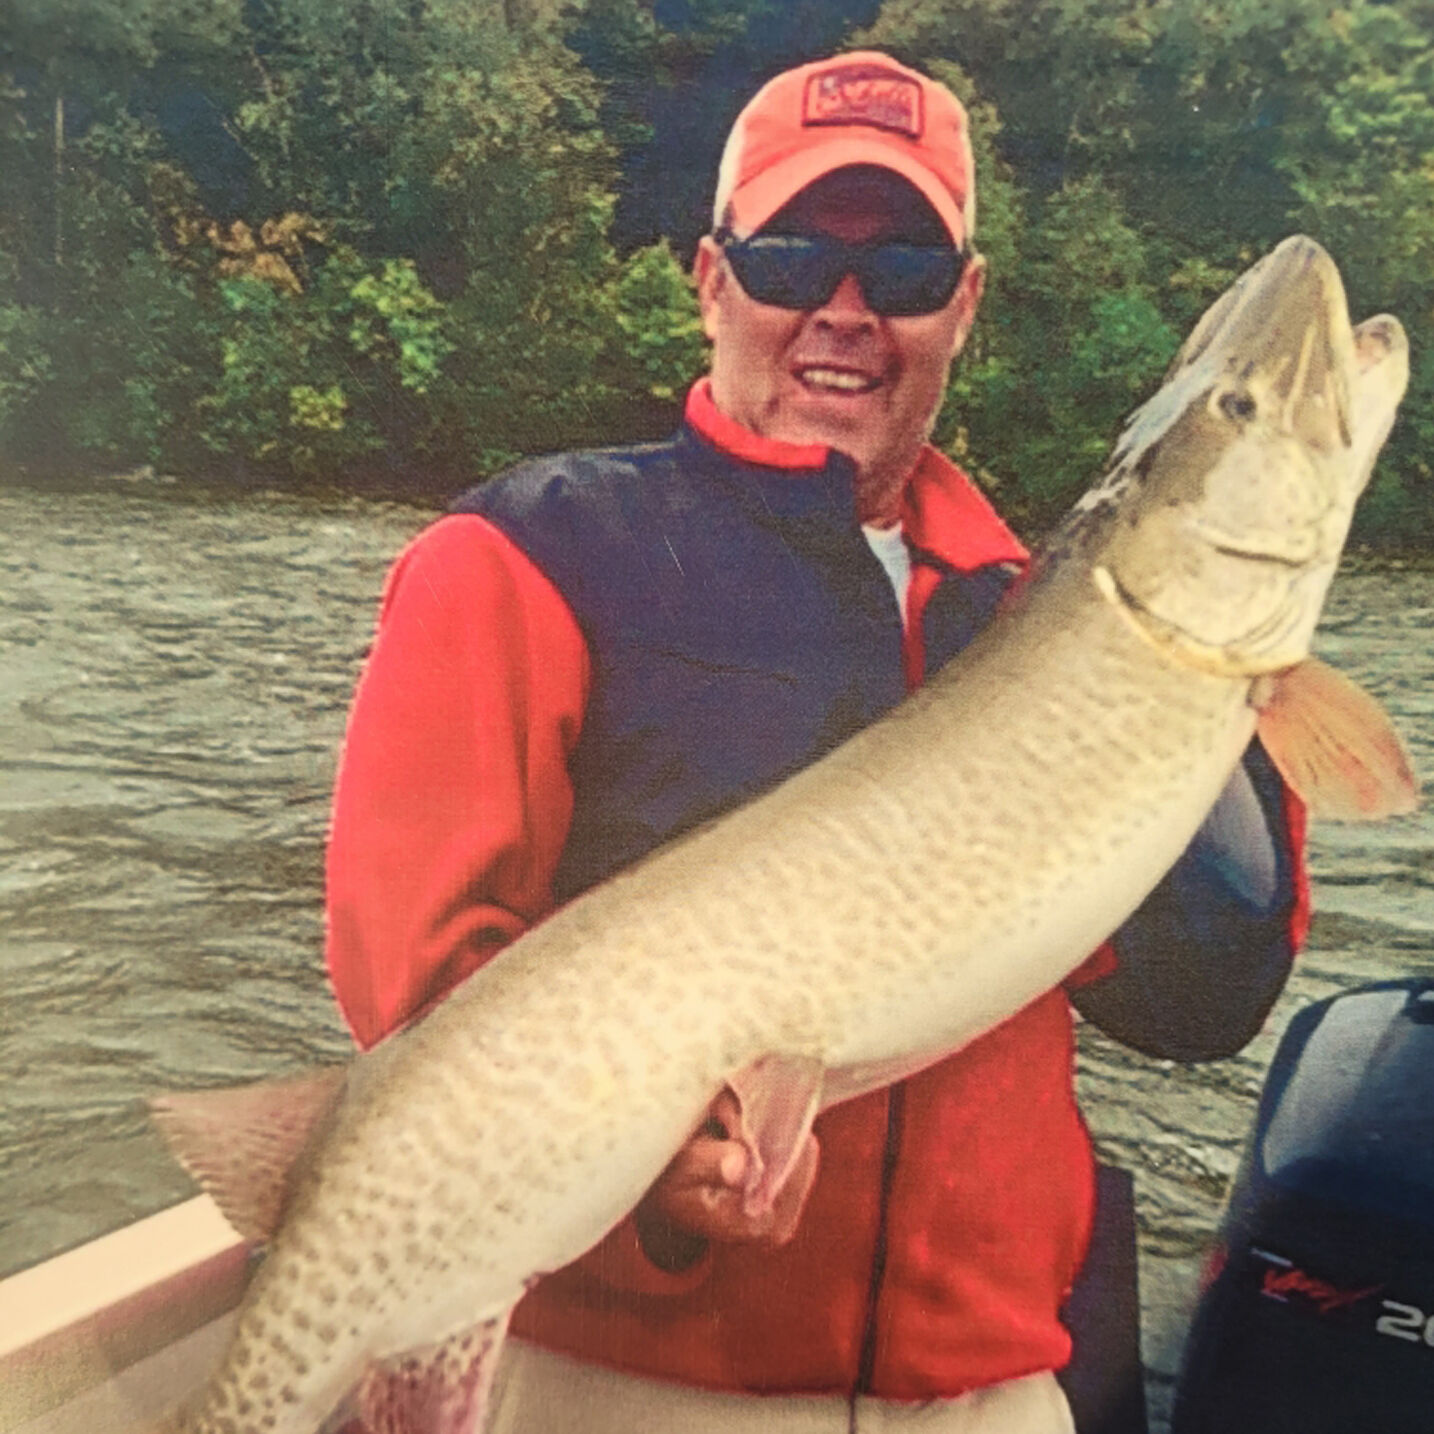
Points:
x=841, y=379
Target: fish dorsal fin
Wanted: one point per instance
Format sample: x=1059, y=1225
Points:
x=442, y=1389
x=1334, y=744
x=242, y=1143
x=780, y=1096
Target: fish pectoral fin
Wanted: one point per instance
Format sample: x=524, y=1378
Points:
x=779, y=1096
x=243, y=1143
x=1334, y=744
x=440, y=1389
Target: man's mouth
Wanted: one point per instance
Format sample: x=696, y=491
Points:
x=821, y=379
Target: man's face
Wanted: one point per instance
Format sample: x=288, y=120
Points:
x=840, y=374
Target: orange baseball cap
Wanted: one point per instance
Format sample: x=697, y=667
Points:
x=858, y=108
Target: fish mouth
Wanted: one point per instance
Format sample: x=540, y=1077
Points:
x=1232, y=547
x=1381, y=349
x=1313, y=382
x=1289, y=550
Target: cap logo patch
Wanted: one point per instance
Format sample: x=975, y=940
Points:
x=864, y=94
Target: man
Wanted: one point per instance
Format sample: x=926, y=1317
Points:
x=598, y=651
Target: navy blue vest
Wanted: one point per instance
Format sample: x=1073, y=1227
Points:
x=739, y=626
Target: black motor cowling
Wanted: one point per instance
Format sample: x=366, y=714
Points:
x=1318, y=1311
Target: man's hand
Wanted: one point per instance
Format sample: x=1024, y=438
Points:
x=699, y=1197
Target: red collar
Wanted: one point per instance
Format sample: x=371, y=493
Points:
x=945, y=514
x=942, y=512
x=741, y=443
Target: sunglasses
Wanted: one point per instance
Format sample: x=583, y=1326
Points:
x=802, y=271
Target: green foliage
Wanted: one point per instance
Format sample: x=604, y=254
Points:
x=25, y=364
x=108, y=349
x=450, y=297
x=1158, y=147
x=131, y=366
x=322, y=378
x=397, y=318
x=659, y=323
x=674, y=76
x=439, y=239
x=520, y=179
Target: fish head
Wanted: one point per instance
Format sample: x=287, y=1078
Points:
x=1221, y=523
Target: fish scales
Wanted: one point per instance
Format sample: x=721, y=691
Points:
x=873, y=913
x=818, y=920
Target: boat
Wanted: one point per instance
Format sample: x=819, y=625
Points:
x=109, y=1335
x=113, y=1332
x=1317, y=1315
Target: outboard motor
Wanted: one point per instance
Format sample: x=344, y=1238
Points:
x=1318, y=1310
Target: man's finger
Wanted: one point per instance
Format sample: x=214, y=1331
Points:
x=721, y=1163
x=713, y=1213
x=719, y=1211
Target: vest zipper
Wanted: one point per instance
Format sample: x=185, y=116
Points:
x=924, y=579
x=866, y=1364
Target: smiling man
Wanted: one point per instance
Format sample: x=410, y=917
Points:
x=598, y=651
x=859, y=367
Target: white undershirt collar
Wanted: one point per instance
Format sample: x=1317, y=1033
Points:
x=889, y=545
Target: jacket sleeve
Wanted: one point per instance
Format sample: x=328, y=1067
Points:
x=453, y=798
x=1194, y=972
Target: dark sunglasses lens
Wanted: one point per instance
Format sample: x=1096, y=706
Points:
x=907, y=279
x=793, y=271
x=786, y=270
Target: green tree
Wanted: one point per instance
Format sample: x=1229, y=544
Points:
x=321, y=373
x=658, y=320
x=487, y=203
x=1157, y=147
x=111, y=327
x=674, y=76
x=1363, y=177
x=452, y=300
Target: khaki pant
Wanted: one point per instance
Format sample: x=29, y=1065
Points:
x=537, y=1392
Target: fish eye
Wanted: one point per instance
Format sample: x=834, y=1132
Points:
x=1237, y=405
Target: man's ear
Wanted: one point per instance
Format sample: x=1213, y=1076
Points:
x=709, y=274
x=967, y=298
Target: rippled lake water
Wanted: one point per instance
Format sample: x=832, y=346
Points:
x=174, y=674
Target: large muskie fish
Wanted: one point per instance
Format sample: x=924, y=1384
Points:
x=872, y=914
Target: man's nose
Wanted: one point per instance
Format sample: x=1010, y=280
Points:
x=847, y=306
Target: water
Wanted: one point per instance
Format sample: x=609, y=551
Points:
x=174, y=674
x=1181, y=1128
x=175, y=678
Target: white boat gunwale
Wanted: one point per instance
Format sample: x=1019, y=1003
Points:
x=73, y=1324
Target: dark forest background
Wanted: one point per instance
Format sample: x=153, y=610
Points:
x=401, y=242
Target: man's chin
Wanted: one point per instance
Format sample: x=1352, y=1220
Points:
x=844, y=434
